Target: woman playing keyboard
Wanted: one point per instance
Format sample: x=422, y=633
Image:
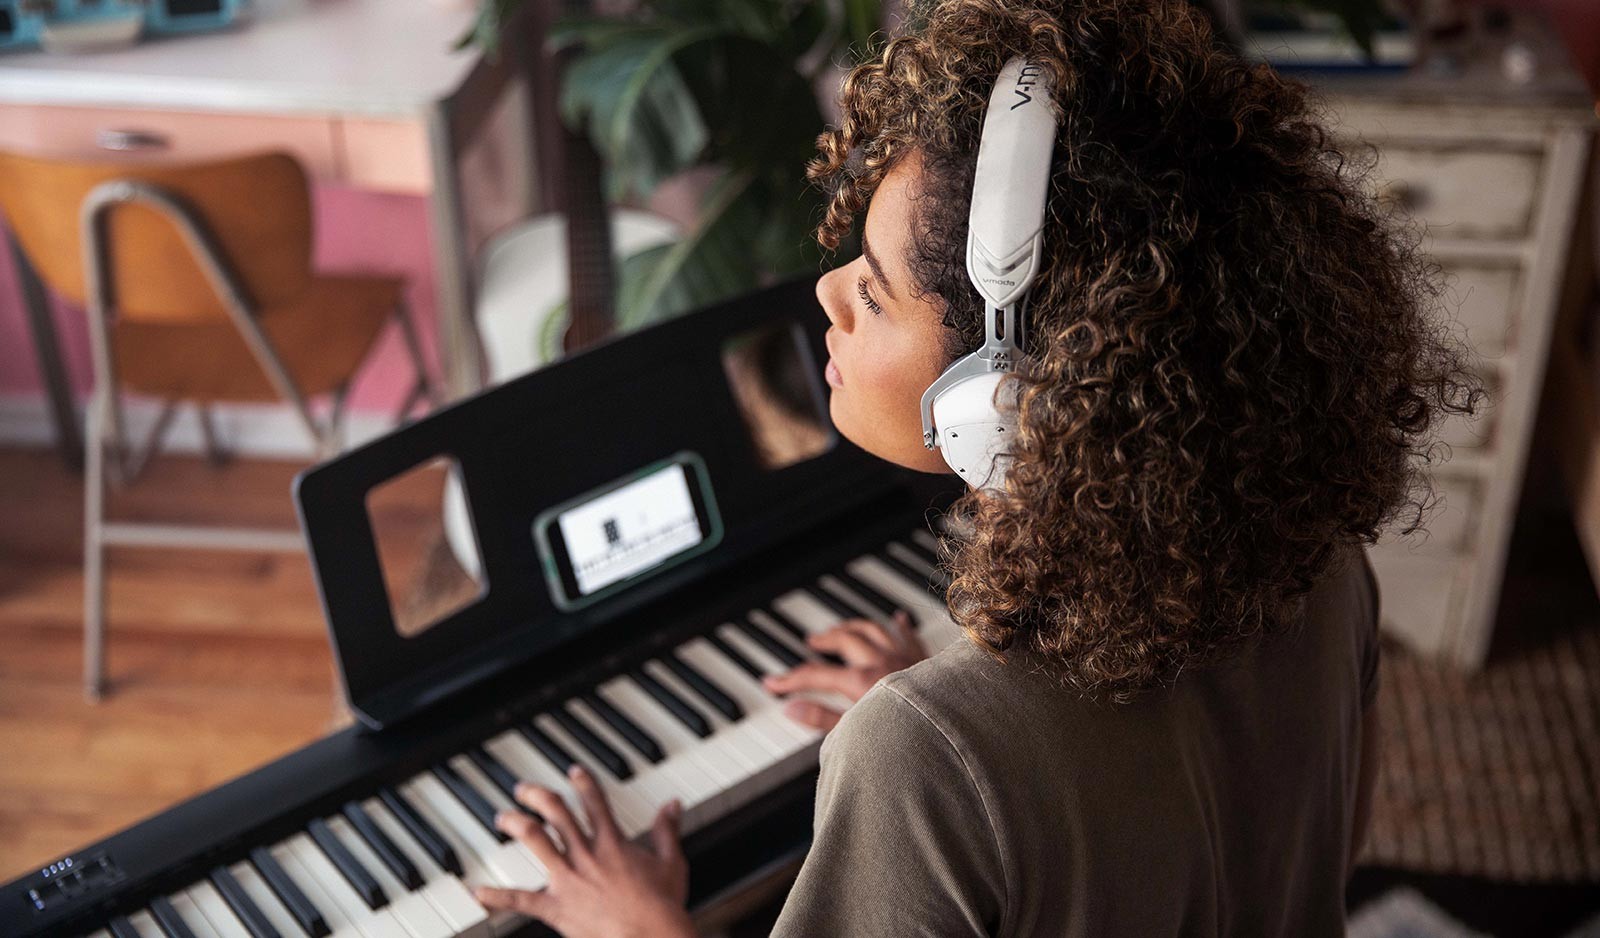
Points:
x=1161, y=722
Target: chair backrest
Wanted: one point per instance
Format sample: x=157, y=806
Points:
x=256, y=208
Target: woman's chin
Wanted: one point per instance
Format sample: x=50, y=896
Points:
x=902, y=449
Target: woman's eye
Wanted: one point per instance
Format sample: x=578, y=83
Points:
x=861, y=288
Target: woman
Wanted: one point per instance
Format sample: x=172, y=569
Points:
x=1162, y=722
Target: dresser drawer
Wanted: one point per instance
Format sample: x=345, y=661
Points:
x=1453, y=522
x=1419, y=594
x=145, y=135
x=1462, y=192
x=1485, y=299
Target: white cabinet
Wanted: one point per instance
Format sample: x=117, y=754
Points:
x=1497, y=187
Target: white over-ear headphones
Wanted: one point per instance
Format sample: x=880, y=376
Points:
x=960, y=413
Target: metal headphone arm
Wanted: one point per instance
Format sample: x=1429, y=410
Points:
x=999, y=352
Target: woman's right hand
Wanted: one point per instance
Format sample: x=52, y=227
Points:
x=869, y=652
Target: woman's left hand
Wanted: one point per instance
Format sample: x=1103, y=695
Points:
x=601, y=884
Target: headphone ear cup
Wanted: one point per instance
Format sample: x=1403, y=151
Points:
x=975, y=436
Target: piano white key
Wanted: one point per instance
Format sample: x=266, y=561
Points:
x=210, y=904
x=449, y=895
x=331, y=889
x=496, y=797
x=145, y=924
x=633, y=815
x=653, y=788
x=757, y=701
x=851, y=598
x=509, y=867
x=411, y=909
x=807, y=611
x=926, y=539
x=676, y=740
x=264, y=898
x=937, y=628
x=728, y=740
x=287, y=856
x=192, y=916
x=806, y=652
x=752, y=651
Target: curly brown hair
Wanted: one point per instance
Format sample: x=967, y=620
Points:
x=1235, y=362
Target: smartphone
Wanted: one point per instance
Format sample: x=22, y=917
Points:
x=609, y=538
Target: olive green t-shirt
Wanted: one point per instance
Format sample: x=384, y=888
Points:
x=964, y=796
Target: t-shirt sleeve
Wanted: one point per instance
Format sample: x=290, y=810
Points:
x=1370, y=649
x=902, y=844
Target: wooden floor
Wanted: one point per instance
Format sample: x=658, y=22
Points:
x=218, y=661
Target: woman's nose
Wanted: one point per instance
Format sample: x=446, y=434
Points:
x=834, y=303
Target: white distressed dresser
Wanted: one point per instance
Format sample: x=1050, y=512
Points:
x=1497, y=176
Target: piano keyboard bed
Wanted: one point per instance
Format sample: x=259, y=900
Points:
x=691, y=721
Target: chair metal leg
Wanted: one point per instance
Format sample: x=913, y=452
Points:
x=94, y=551
x=215, y=454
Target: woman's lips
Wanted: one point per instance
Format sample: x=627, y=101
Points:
x=832, y=374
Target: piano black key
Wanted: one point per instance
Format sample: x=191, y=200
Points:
x=771, y=645
x=642, y=742
x=787, y=624
x=579, y=730
x=936, y=583
x=835, y=605
x=434, y=845
x=244, y=907
x=675, y=705
x=348, y=866
x=295, y=901
x=871, y=595
x=704, y=686
x=122, y=928
x=476, y=805
x=549, y=748
x=732, y=654
x=168, y=920
x=495, y=770
x=386, y=850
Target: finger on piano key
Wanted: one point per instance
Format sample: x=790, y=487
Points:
x=610, y=758
x=383, y=846
x=680, y=708
x=625, y=805
x=739, y=639
x=774, y=647
x=517, y=854
x=410, y=908
x=654, y=788
x=702, y=779
x=347, y=913
x=874, y=603
x=428, y=837
x=289, y=893
x=641, y=742
x=225, y=923
x=448, y=894
x=707, y=689
x=733, y=655
x=728, y=740
x=469, y=798
x=168, y=919
x=261, y=899
x=513, y=748
x=503, y=777
x=938, y=629
x=511, y=868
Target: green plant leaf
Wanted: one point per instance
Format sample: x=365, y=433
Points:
x=714, y=262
